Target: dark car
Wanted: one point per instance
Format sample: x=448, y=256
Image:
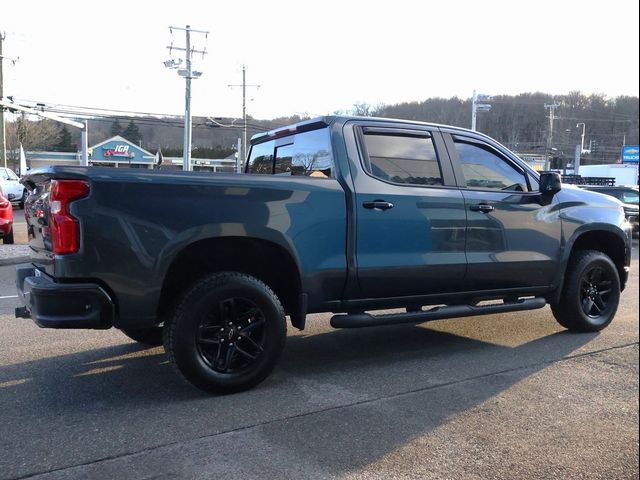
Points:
x=628, y=196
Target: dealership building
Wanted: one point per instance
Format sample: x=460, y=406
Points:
x=119, y=152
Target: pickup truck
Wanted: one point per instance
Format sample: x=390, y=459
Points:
x=336, y=214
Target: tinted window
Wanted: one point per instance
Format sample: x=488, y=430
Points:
x=12, y=176
x=309, y=155
x=629, y=196
x=403, y=159
x=306, y=154
x=626, y=196
x=261, y=158
x=485, y=170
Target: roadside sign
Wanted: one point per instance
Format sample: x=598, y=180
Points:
x=630, y=154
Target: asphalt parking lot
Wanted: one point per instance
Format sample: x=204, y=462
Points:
x=500, y=397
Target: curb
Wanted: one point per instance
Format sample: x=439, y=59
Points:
x=14, y=261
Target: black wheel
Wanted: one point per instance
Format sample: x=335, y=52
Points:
x=8, y=238
x=147, y=336
x=590, y=294
x=227, y=333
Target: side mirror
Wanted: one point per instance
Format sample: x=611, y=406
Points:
x=550, y=183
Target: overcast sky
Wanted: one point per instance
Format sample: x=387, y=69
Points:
x=315, y=57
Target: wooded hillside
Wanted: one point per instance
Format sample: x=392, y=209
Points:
x=520, y=122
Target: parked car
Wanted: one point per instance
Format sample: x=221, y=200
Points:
x=11, y=187
x=337, y=214
x=628, y=196
x=6, y=220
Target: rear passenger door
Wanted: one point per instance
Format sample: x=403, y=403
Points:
x=513, y=241
x=410, y=217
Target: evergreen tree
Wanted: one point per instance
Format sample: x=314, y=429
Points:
x=65, y=143
x=116, y=128
x=132, y=133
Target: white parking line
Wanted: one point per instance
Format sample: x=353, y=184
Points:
x=8, y=296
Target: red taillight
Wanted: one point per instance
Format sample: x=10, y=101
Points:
x=64, y=228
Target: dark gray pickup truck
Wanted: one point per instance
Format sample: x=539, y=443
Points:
x=336, y=214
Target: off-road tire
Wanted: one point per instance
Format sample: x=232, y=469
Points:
x=591, y=293
x=201, y=333
x=146, y=336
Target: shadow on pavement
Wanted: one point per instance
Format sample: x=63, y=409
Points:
x=135, y=400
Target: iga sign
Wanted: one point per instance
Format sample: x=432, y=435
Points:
x=630, y=154
x=118, y=151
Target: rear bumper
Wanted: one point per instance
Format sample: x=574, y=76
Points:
x=62, y=305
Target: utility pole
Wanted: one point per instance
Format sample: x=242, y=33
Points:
x=552, y=109
x=3, y=140
x=244, y=86
x=188, y=73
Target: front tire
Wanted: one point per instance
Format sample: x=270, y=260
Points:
x=591, y=293
x=227, y=333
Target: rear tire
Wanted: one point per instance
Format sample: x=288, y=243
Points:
x=23, y=199
x=590, y=294
x=227, y=333
x=147, y=336
x=8, y=238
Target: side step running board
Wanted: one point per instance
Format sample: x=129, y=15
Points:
x=357, y=320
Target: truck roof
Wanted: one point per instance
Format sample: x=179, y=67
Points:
x=326, y=120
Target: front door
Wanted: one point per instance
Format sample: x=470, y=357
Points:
x=513, y=241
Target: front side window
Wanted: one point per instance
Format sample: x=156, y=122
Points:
x=403, y=158
x=485, y=170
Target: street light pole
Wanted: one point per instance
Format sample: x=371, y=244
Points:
x=582, y=138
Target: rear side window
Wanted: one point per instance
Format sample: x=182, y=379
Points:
x=304, y=154
x=402, y=158
x=261, y=158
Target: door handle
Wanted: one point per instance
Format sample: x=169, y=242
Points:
x=481, y=207
x=377, y=205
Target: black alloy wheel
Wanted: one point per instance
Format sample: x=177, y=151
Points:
x=596, y=291
x=591, y=293
x=227, y=332
x=232, y=339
